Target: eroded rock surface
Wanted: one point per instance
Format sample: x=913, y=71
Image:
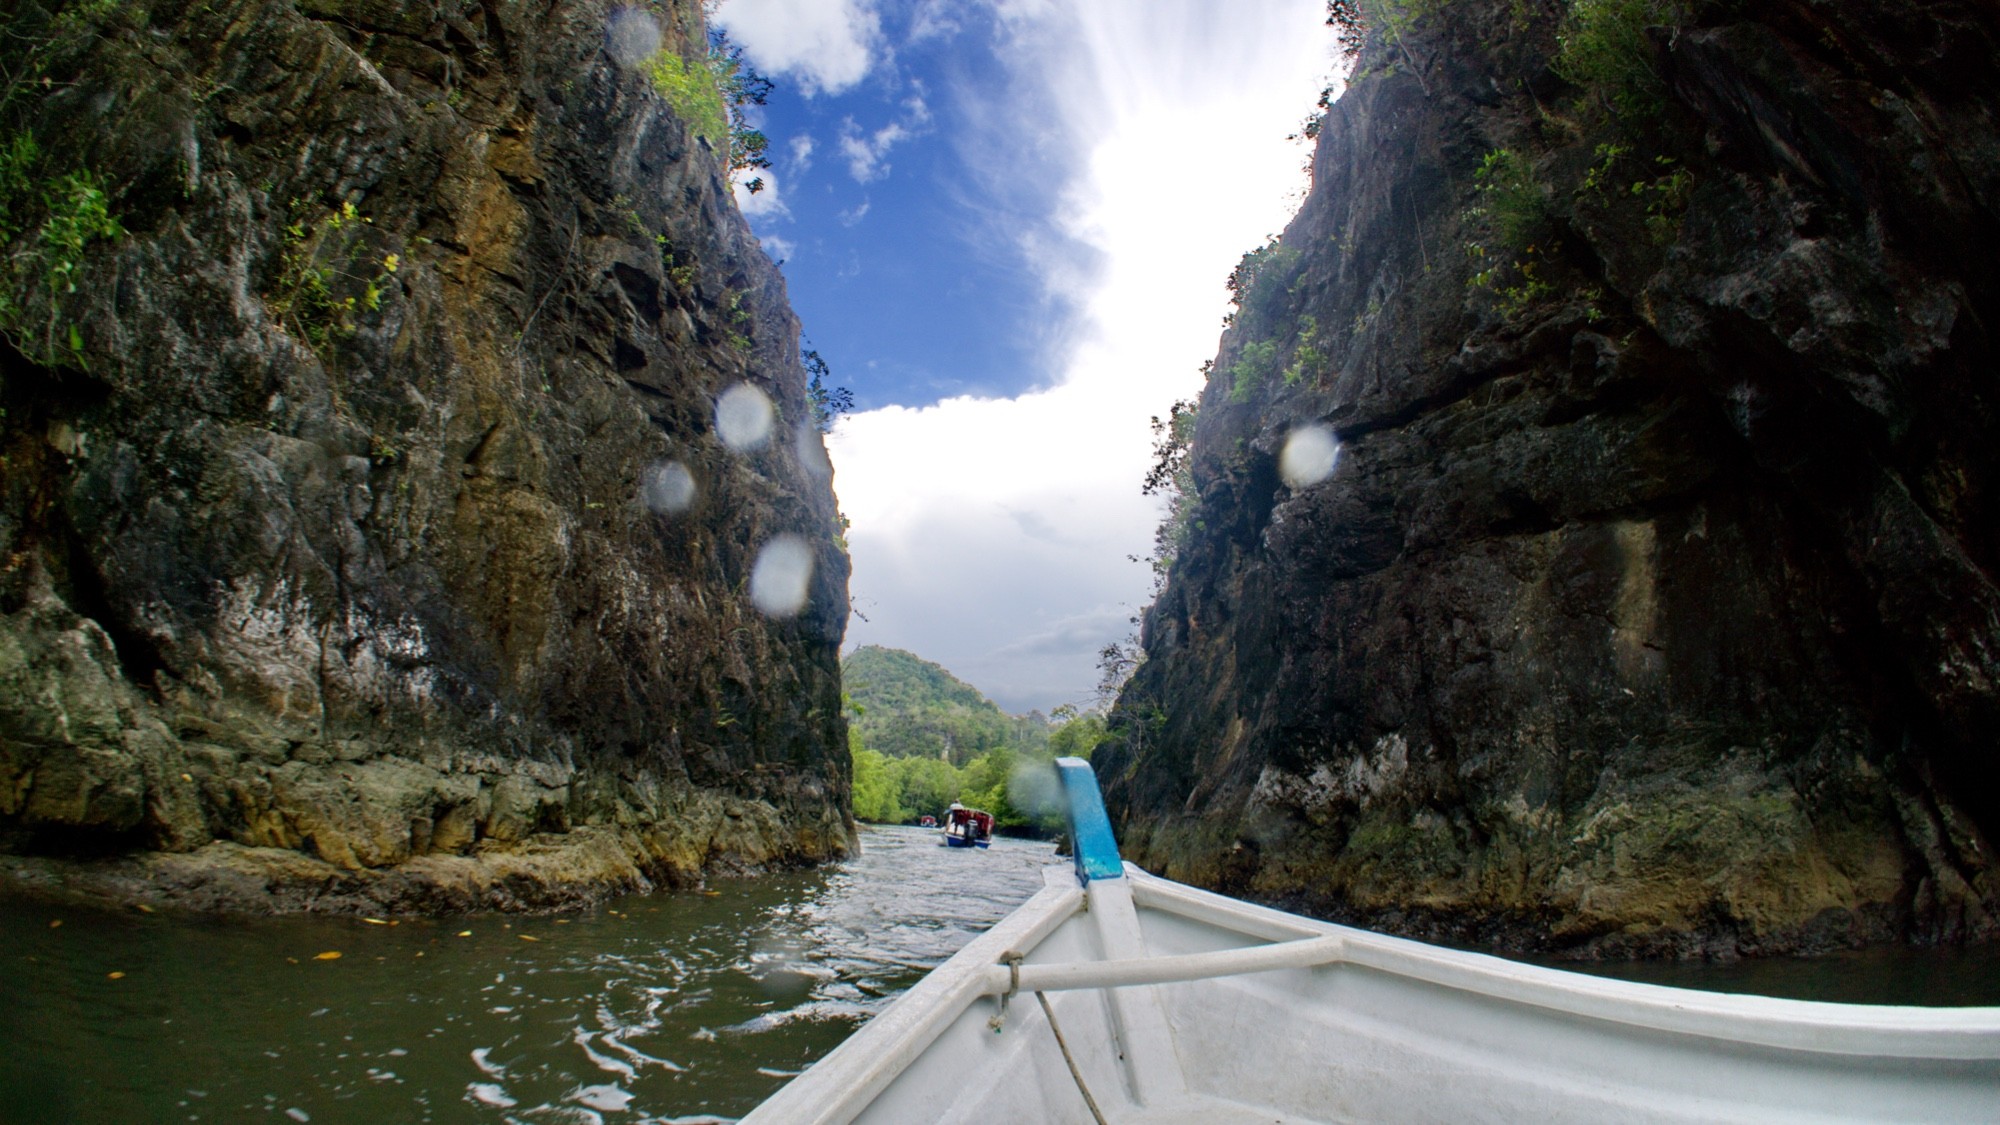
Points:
x=439, y=599
x=1650, y=606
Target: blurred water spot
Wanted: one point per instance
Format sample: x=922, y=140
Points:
x=631, y=36
x=1034, y=789
x=780, y=576
x=667, y=488
x=811, y=452
x=743, y=417
x=1309, y=455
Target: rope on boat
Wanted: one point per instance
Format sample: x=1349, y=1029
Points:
x=1013, y=961
x=1095, y=1113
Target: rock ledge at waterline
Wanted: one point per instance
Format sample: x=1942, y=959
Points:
x=376, y=610
x=1650, y=605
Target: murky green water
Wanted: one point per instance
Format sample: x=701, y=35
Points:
x=664, y=1008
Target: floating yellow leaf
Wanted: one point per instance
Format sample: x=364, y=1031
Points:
x=142, y=908
x=187, y=777
x=376, y=921
x=56, y=923
x=529, y=937
x=115, y=975
x=329, y=955
x=465, y=933
x=562, y=921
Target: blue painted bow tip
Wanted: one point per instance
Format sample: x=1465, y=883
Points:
x=1095, y=848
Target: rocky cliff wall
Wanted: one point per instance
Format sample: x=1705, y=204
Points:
x=1649, y=607
x=366, y=538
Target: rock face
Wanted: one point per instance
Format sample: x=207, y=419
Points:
x=371, y=544
x=1650, y=605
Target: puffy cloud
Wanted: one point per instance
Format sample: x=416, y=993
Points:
x=802, y=152
x=865, y=151
x=993, y=535
x=825, y=46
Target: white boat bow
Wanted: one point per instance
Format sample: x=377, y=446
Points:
x=1116, y=996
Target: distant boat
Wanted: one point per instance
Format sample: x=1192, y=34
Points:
x=928, y=821
x=1115, y=996
x=967, y=828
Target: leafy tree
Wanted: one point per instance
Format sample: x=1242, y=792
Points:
x=712, y=95
x=828, y=401
x=1077, y=737
x=928, y=785
x=877, y=795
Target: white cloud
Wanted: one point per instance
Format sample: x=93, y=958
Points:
x=933, y=19
x=854, y=214
x=778, y=249
x=802, y=152
x=993, y=535
x=826, y=46
x=864, y=153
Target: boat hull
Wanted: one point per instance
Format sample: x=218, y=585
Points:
x=1174, y=1004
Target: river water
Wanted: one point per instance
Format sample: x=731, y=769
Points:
x=686, y=1008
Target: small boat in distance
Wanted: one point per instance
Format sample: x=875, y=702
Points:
x=1115, y=997
x=928, y=821
x=967, y=828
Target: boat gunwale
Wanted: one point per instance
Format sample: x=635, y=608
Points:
x=847, y=1079
x=1803, y=1025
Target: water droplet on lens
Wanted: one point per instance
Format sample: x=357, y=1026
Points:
x=811, y=452
x=667, y=488
x=779, y=579
x=1309, y=455
x=631, y=36
x=743, y=417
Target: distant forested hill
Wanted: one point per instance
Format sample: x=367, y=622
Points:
x=923, y=738
x=910, y=708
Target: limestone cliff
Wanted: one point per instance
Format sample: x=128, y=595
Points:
x=1650, y=605
x=366, y=538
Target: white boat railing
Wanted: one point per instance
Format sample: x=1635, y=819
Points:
x=1809, y=1025
x=1303, y=954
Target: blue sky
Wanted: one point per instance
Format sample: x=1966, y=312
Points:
x=1006, y=225
x=896, y=240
